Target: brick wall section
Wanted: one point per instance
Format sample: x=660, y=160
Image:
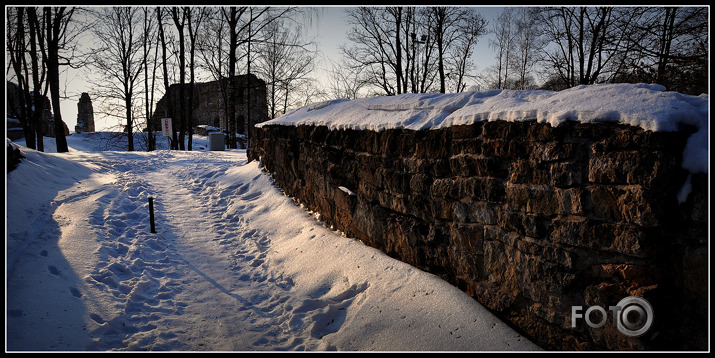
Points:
x=526, y=218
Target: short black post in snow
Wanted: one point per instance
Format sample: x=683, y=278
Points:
x=151, y=214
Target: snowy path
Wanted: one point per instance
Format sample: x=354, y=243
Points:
x=203, y=266
x=234, y=266
x=240, y=300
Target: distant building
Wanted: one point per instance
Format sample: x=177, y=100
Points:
x=208, y=104
x=85, y=114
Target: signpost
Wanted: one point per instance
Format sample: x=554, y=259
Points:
x=166, y=127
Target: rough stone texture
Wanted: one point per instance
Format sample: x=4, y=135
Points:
x=528, y=219
x=85, y=114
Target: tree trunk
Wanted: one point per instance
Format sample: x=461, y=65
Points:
x=247, y=124
x=38, y=98
x=665, y=40
x=231, y=120
x=182, y=80
x=53, y=73
x=398, y=50
x=168, y=94
x=130, y=124
x=190, y=114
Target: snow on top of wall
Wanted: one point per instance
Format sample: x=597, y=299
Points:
x=647, y=106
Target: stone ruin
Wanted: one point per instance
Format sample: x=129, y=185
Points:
x=208, y=108
x=85, y=114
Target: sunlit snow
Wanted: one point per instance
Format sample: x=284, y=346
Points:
x=235, y=265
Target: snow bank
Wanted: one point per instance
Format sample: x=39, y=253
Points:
x=647, y=106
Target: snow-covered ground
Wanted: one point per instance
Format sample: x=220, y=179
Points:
x=234, y=265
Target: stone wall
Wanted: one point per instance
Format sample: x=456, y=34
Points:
x=528, y=219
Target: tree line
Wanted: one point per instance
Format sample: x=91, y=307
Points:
x=36, y=42
x=397, y=50
x=134, y=54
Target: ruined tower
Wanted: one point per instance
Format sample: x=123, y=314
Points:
x=85, y=114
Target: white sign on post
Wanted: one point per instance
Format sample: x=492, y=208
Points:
x=166, y=127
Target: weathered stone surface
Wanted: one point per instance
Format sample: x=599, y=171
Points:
x=528, y=219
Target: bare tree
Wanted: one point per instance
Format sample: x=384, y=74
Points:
x=165, y=71
x=405, y=48
x=243, y=26
x=305, y=92
x=57, y=21
x=236, y=28
x=671, y=48
x=256, y=22
x=392, y=48
x=179, y=16
x=213, y=55
x=46, y=39
x=591, y=43
x=503, y=44
x=424, y=45
x=457, y=31
x=16, y=45
x=119, y=60
x=149, y=32
x=344, y=83
x=195, y=16
x=527, y=44
x=375, y=33
x=557, y=28
x=284, y=60
x=444, y=18
x=189, y=19
x=38, y=74
x=231, y=16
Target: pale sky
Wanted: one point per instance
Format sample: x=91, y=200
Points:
x=330, y=32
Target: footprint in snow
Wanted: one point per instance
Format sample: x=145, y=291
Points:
x=243, y=189
x=326, y=311
x=75, y=292
x=251, y=196
x=53, y=270
x=96, y=318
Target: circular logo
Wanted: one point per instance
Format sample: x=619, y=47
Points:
x=635, y=316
